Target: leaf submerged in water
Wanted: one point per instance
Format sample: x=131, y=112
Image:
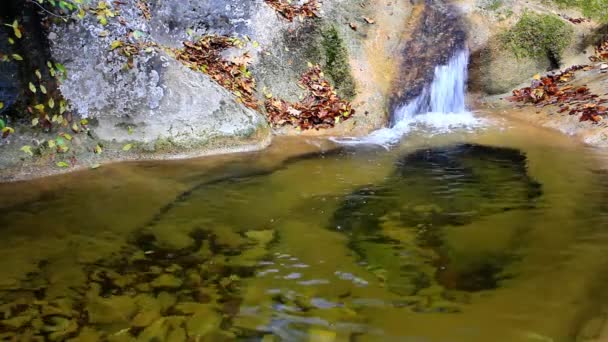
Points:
x=63, y=164
x=127, y=147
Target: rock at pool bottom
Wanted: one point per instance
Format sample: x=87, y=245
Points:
x=401, y=228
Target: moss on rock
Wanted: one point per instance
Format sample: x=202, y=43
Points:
x=539, y=35
x=336, y=62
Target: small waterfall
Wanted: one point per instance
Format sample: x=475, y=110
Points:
x=440, y=106
x=444, y=95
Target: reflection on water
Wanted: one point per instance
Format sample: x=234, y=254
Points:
x=500, y=238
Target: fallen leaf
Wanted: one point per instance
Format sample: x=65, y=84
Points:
x=27, y=150
x=369, y=20
x=127, y=147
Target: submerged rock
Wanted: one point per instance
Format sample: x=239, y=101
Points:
x=167, y=281
x=399, y=227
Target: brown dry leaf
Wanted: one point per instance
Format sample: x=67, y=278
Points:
x=369, y=20
x=290, y=11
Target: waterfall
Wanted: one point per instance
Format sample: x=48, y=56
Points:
x=444, y=95
x=440, y=106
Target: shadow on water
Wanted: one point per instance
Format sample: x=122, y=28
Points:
x=429, y=191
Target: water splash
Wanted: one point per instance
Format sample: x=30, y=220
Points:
x=441, y=107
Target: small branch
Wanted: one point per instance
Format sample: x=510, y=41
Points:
x=47, y=11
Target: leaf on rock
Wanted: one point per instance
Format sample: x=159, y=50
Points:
x=27, y=150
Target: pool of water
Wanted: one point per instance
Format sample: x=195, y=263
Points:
x=494, y=235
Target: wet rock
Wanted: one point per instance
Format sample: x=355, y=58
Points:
x=166, y=300
x=173, y=268
x=177, y=335
x=167, y=281
x=8, y=336
x=193, y=279
x=192, y=308
x=59, y=307
x=157, y=331
x=60, y=328
x=16, y=322
x=122, y=336
x=145, y=318
x=143, y=287
x=113, y=310
x=322, y=335
x=202, y=323
x=263, y=237
x=87, y=335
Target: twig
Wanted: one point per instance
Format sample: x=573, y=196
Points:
x=47, y=11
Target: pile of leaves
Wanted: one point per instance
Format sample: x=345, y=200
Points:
x=575, y=21
x=145, y=9
x=321, y=108
x=205, y=56
x=290, y=11
x=555, y=90
x=601, y=52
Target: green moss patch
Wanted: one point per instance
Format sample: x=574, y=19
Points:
x=336, y=63
x=539, y=35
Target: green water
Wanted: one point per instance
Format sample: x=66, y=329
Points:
x=498, y=235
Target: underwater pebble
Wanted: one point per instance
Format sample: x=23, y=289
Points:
x=263, y=273
x=293, y=276
x=166, y=281
x=313, y=282
x=351, y=277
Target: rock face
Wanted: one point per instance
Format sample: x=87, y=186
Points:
x=151, y=98
x=168, y=101
x=494, y=68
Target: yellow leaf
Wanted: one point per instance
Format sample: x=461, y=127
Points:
x=1, y=104
x=537, y=77
x=40, y=107
x=35, y=122
x=42, y=89
x=98, y=149
x=28, y=150
x=63, y=164
x=127, y=147
x=17, y=32
x=17, y=57
x=116, y=44
x=51, y=103
x=38, y=74
x=32, y=87
x=11, y=41
x=51, y=143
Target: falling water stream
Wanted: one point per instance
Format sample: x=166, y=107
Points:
x=440, y=107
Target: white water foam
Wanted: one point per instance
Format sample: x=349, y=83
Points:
x=439, y=109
